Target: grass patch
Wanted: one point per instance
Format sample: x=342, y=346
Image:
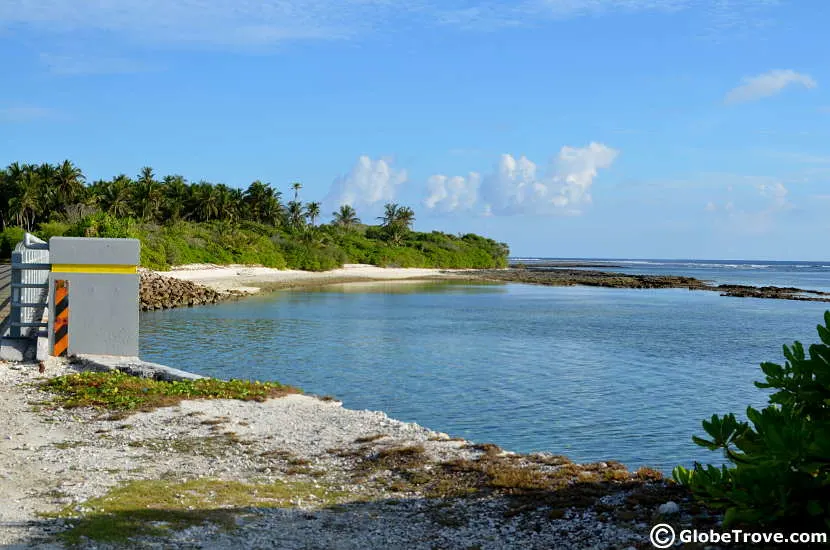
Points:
x=528, y=482
x=369, y=438
x=123, y=393
x=63, y=445
x=155, y=507
x=215, y=446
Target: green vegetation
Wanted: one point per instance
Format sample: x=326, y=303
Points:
x=180, y=222
x=780, y=472
x=118, y=391
x=154, y=508
x=528, y=482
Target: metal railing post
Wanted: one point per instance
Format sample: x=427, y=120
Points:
x=29, y=286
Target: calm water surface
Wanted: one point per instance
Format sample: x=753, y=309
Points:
x=592, y=373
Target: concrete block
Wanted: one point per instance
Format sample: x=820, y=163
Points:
x=135, y=367
x=13, y=349
x=94, y=251
x=103, y=313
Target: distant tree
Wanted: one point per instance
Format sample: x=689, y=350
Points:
x=396, y=221
x=115, y=197
x=205, y=201
x=147, y=195
x=312, y=210
x=296, y=186
x=346, y=216
x=176, y=193
x=295, y=215
x=70, y=184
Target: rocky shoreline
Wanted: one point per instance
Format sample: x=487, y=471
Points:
x=298, y=472
x=174, y=289
x=571, y=277
x=159, y=292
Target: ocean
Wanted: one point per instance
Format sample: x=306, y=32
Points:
x=592, y=373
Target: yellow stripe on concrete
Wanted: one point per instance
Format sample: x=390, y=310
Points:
x=93, y=268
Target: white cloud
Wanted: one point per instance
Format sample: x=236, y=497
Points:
x=452, y=194
x=711, y=207
x=776, y=192
x=516, y=186
x=768, y=84
x=369, y=183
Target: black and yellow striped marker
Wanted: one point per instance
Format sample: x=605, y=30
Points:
x=61, y=318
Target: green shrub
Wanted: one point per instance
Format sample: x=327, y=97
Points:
x=780, y=473
x=52, y=229
x=9, y=239
x=104, y=225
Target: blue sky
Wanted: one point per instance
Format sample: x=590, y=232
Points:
x=569, y=128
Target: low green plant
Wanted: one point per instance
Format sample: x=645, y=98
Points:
x=780, y=460
x=115, y=390
x=154, y=508
x=52, y=229
x=101, y=224
x=9, y=239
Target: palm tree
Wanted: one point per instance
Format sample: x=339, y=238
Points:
x=24, y=208
x=397, y=221
x=312, y=210
x=346, y=216
x=390, y=214
x=115, y=198
x=70, y=183
x=225, y=202
x=33, y=197
x=10, y=186
x=236, y=204
x=406, y=216
x=295, y=215
x=205, y=201
x=272, y=209
x=176, y=193
x=296, y=186
x=148, y=198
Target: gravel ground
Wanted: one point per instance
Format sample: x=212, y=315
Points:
x=54, y=459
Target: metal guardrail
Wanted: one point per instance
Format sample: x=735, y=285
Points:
x=29, y=286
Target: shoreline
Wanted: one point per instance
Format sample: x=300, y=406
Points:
x=422, y=487
x=235, y=281
x=609, y=279
x=254, y=279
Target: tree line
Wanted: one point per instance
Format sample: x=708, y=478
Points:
x=31, y=194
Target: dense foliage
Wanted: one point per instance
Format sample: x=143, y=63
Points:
x=180, y=222
x=780, y=472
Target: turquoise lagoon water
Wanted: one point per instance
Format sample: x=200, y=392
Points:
x=596, y=374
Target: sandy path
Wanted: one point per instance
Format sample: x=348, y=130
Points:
x=23, y=477
x=253, y=279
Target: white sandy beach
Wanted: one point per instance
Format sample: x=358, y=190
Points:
x=249, y=279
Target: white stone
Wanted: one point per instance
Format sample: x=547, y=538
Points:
x=669, y=508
